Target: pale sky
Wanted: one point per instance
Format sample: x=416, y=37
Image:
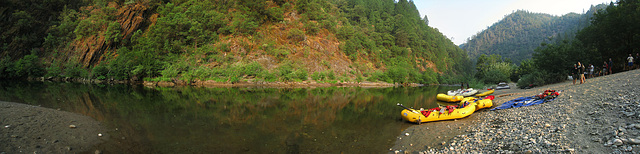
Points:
x=460, y=19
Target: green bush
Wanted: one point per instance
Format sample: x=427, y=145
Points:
x=301, y=74
x=99, y=71
x=318, y=76
x=296, y=35
x=267, y=76
x=28, y=66
x=276, y=14
x=535, y=78
x=54, y=70
x=359, y=78
x=243, y=24
x=330, y=75
x=285, y=72
x=76, y=72
x=172, y=70
x=252, y=69
x=113, y=33
x=430, y=77
x=312, y=28
x=7, y=68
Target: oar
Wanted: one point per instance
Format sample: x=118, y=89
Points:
x=412, y=110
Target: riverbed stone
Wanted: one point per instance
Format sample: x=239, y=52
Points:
x=617, y=142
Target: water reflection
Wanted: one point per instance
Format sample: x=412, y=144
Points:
x=234, y=120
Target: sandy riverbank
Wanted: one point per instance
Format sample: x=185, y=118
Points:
x=32, y=129
x=600, y=116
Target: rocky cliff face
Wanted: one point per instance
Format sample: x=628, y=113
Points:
x=132, y=17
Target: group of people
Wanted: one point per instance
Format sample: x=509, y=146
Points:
x=579, y=70
x=630, y=62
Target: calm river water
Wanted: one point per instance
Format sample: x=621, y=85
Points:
x=234, y=120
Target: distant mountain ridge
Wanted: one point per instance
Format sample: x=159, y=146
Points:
x=517, y=35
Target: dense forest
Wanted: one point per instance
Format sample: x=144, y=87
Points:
x=614, y=33
x=226, y=41
x=517, y=35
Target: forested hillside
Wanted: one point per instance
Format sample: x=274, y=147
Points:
x=613, y=33
x=226, y=41
x=517, y=35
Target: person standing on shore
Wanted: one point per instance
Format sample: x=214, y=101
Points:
x=629, y=62
x=610, y=66
x=605, y=66
x=591, y=70
x=581, y=72
x=574, y=73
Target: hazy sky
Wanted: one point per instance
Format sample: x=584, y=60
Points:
x=461, y=19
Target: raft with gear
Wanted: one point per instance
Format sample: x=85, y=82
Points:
x=466, y=107
x=437, y=114
x=462, y=92
x=481, y=103
x=447, y=98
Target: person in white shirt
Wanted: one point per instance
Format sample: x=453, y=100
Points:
x=630, y=64
x=591, y=70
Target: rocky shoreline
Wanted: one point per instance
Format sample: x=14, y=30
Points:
x=599, y=116
x=32, y=129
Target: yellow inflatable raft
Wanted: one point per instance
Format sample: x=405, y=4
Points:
x=485, y=93
x=480, y=103
x=447, y=98
x=437, y=114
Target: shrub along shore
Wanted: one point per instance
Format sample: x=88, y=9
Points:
x=212, y=83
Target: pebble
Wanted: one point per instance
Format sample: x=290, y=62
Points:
x=72, y=126
x=617, y=142
x=633, y=141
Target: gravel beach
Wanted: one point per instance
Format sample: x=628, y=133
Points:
x=32, y=129
x=599, y=116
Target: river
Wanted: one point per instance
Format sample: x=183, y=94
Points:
x=234, y=120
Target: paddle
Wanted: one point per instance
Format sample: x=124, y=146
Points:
x=412, y=110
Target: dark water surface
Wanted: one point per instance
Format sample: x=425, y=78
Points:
x=234, y=120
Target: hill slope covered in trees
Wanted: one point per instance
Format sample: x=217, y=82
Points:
x=517, y=35
x=226, y=41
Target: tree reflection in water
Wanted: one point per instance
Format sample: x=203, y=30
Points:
x=234, y=120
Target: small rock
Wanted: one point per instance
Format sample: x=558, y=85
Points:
x=621, y=129
x=633, y=141
x=406, y=134
x=99, y=135
x=7, y=126
x=617, y=142
x=72, y=126
x=547, y=125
